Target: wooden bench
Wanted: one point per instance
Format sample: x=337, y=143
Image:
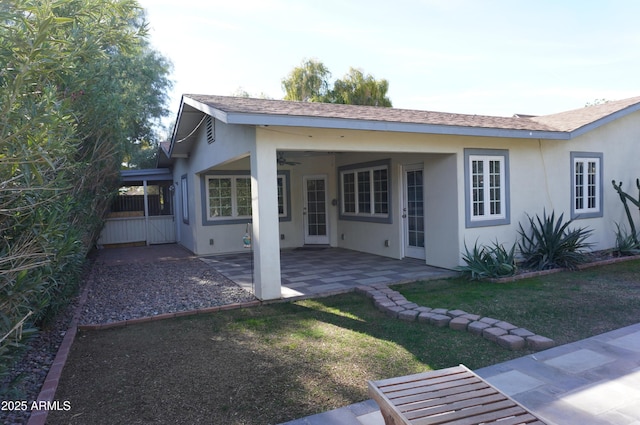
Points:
x=448, y=396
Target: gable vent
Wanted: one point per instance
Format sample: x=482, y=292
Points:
x=211, y=130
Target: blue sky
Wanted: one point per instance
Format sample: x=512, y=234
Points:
x=491, y=57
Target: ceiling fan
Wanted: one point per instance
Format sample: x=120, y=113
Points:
x=283, y=161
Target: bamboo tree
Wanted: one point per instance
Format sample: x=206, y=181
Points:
x=79, y=89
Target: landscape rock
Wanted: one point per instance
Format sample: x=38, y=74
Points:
x=493, y=333
x=538, y=343
x=476, y=328
x=393, y=311
x=459, y=323
x=511, y=342
x=425, y=316
x=505, y=325
x=439, y=320
x=521, y=332
x=408, y=315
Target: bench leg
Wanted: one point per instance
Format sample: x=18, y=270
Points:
x=389, y=419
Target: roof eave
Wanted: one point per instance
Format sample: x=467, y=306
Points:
x=391, y=126
x=605, y=120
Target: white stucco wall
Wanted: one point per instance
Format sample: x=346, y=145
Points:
x=539, y=179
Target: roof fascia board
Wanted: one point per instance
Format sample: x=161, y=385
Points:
x=209, y=110
x=175, y=127
x=605, y=120
x=352, y=124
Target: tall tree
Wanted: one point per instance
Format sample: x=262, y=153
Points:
x=79, y=89
x=356, y=88
x=308, y=82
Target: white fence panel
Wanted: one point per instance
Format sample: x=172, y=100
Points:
x=161, y=229
x=123, y=230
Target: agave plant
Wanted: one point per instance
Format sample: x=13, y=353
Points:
x=626, y=243
x=489, y=262
x=550, y=243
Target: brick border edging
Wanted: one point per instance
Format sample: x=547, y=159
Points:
x=50, y=384
x=537, y=273
x=502, y=333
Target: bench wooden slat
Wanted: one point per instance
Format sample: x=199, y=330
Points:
x=431, y=374
x=487, y=412
x=452, y=396
x=449, y=407
x=447, y=399
x=458, y=383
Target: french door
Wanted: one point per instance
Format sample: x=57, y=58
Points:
x=316, y=226
x=413, y=211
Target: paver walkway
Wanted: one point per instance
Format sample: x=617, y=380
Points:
x=595, y=381
x=323, y=271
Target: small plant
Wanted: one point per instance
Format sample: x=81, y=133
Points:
x=626, y=243
x=550, y=243
x=489, y=262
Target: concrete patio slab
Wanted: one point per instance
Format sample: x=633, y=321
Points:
x=330, y=270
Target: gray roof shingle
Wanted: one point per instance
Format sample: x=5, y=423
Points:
x=561, y=122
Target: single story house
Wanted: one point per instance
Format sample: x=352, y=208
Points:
x=391, y=182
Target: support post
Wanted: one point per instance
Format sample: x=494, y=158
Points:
x=266, y=231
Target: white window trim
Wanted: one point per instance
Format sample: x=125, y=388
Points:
x=487, y=219
x=584, y=158
x=208, y=219
x=184, y=193
x=485, y=159
x=285, y=206
x=372, y=203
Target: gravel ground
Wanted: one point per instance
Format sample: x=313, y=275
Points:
x=118, y=292
x=146, y=289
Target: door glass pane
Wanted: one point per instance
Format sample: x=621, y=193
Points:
x=316, y=217
x=415, y=209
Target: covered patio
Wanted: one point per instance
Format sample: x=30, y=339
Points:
x=308, y=272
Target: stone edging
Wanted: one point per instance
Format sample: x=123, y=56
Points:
x=552, y=271
x=503, y=333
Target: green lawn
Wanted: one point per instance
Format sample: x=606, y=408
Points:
x=275, y=363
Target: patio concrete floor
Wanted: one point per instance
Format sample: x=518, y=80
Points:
x=324, y=271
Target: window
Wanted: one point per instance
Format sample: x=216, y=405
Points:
x=185, y=199
x=364, y=192
x=282, y=199
x=487, y=187
x=586, y=186
x=227, y=197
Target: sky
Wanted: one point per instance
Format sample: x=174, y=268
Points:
x=485, y=57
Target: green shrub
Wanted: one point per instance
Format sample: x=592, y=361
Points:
x=626, y=243
x=489, y=262
x=550, y=243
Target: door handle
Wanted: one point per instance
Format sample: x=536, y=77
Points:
x=404, y=213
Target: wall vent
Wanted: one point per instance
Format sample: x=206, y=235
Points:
x=211, y=129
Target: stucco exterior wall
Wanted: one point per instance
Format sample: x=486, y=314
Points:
x=539, y=179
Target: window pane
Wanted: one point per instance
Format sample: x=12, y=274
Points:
x=220, y=197
x=243, y=196
x=477, y=187
x=591, y=185
x=349, y=193
x=281, y=196
x=364, y=192
x=380, y=194
x=494, y=187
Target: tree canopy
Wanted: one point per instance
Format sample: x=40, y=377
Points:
x=81, y=91
x=309, y=82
